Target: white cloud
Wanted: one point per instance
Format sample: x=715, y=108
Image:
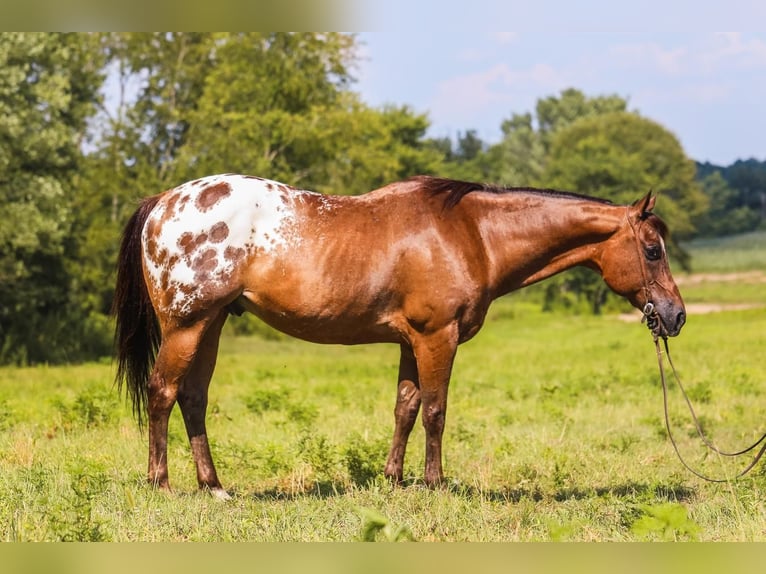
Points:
x=650, y=54
x=730, y=48
x=461, y=97
x=505, y=38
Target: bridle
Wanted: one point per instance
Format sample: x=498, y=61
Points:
x=650, y=315
x=652, y=319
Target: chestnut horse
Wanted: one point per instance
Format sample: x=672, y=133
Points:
x=417, y=263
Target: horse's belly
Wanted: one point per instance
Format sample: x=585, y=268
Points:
x=320, y=317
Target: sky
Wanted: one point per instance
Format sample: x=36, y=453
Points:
x=708, y=88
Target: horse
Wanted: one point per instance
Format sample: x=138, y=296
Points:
x=415, y=263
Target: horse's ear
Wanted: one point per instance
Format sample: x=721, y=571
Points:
x=645, y=204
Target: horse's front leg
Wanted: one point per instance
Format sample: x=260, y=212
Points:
x=435, y=354
x=405, y=413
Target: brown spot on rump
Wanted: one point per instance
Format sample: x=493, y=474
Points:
x=170, y=206
x=161, y=256
x=233, y=253
x=187, y=290
x=219, y=232
x=212, y=194
x=151, y=248
x=186, y=242
x=205, y=263
x=169, y=294
x=165, y=278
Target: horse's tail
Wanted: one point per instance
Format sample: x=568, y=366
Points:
x=137, y=333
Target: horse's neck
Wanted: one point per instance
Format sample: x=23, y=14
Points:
x=529, y=238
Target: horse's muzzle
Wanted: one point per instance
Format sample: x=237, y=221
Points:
x=665, y=323
x=670, y=323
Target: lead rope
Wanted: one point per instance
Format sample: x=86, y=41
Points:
x=653, y=322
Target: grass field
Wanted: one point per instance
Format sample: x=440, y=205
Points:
x=554, y=432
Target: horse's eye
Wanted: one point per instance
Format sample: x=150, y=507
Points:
x=653, y=252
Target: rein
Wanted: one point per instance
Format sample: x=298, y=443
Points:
x=652, y=320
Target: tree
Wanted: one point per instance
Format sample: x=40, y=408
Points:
x=748, y=177
x=520, y=157
x=48, y=86
x=621, y=156
x=279, y=106
x=737, y=196
x=726, y=215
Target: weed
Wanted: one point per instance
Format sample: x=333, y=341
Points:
x=376, y=526
x=90, y=408
x=261, y=401
x=701, y=392
x=364, y=460
x=669, y=521
x=323, y=457
x=303, y=414
x=74, y=520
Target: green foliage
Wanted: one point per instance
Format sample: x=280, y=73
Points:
x=745, y=252
x=75, y=520
x=48, y=88
x=364, y=460
x=375, y=526
x=90, y=408
x=669, y=522
x=523, y=153
x=737, y=197
x=621, y=156
x=726, y=216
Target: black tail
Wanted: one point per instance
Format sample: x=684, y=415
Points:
x=137, y=333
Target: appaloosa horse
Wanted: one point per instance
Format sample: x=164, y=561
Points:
x=417, y=263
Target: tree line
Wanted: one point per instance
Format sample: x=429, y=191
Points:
x=90, y=123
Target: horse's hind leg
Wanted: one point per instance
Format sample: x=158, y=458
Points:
x=192, y=398
x=176, y=356
x=405, y=413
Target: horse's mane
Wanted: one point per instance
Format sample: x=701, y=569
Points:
x=456, y=190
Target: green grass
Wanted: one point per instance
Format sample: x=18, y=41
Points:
x=554, y=432
x=745, y=252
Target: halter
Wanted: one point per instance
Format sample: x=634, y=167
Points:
x=651, y=317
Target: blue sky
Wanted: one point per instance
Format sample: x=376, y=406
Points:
x=708, y=88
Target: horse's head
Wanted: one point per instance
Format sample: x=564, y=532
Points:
x=635, y=265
